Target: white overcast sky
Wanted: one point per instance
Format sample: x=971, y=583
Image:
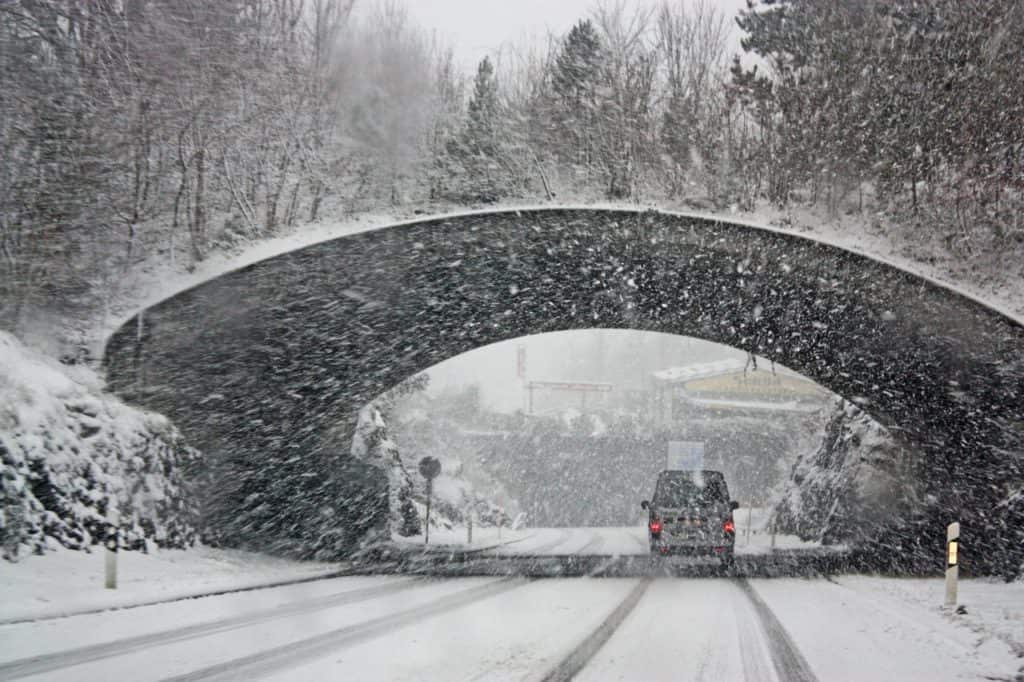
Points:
x=475, y=28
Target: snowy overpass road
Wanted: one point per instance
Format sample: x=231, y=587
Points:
x=401, y=628
x=605, y=552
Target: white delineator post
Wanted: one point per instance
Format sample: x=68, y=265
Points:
x=952, y=562
x=111, y=552
x=469, y=528
x=426, y=525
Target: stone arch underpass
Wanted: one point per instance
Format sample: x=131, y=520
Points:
x=257, y=365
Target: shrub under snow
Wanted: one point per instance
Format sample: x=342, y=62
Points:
x=67, y=450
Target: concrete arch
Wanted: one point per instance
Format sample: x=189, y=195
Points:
x=269, y=356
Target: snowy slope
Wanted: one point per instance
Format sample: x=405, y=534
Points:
x=71, y=455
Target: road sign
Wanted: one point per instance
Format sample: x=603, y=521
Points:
x=686, y=455
x=429, y=469
x=594, y=386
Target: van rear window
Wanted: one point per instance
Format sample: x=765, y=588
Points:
x=683, y=491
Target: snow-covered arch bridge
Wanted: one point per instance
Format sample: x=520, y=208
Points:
x=264, y=359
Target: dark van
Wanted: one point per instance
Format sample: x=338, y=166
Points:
x=691, y=513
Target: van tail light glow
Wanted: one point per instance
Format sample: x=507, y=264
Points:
x=656, y=526
x=728, y=526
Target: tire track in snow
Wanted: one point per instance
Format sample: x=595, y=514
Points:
x=789, y=663
x=283, y=656
x=87, y=654
x=563, y=535
x=585, y=650
x=198, y=595
x=593, y=544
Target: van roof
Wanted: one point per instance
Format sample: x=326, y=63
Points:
x=674, y=473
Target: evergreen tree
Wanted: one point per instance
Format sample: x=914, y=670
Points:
x=479, y=171
x=575, y=80
x=481, y=128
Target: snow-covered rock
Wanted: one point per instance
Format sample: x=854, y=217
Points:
x=73, y=457
x=849, y=486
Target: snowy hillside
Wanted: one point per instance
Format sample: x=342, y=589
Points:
x=67, y=451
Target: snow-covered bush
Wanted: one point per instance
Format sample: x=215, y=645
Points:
x=372, y=444
x=453, y=494
x=69, y=452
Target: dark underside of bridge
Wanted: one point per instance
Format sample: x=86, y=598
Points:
x=257, y=366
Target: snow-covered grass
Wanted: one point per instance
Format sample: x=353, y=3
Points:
x=63, y=582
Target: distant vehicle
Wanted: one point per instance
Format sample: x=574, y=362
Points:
x=691, y=513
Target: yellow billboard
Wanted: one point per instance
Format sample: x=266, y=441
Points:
x=757, y=385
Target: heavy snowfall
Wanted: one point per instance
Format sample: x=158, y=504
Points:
x=660, y=339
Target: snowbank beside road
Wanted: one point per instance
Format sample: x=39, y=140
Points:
x=64, y=582
x=895, y=628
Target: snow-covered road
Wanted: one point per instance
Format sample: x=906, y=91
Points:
x=403, y=628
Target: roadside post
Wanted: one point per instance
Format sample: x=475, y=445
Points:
x=749, y=509
x=429, y=469
x=110, y=560
x=469, y=526
x=952, y=563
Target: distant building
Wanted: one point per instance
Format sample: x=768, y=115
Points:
x=733, y=388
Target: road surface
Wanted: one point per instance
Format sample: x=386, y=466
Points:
x=396, y=627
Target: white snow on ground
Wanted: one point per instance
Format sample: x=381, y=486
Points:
x=686, y=630
x=64, y=581
x=866, y=628
x=995, y=609
x=181, y=657
x=22, y=640
x=511, y=636
x=855, y=629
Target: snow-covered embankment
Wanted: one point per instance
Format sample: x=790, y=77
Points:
x=71, y=454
